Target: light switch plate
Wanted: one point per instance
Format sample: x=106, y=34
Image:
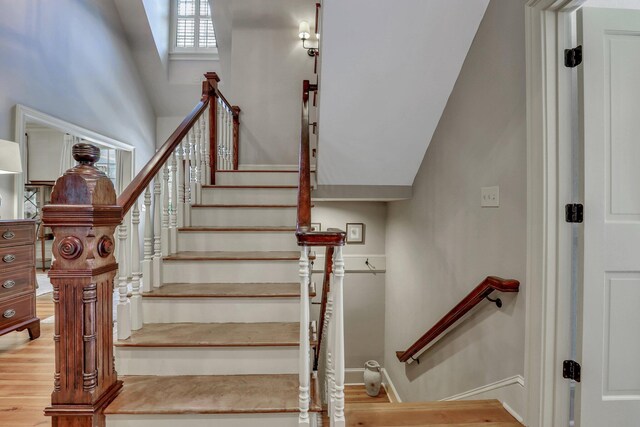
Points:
x=490, y=197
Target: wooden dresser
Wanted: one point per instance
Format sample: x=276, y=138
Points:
x=18, y=277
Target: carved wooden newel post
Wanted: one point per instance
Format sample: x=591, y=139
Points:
x=83, y=215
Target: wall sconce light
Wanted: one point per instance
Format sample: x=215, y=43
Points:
x=304, y=32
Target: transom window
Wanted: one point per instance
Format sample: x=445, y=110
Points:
x=193, y=27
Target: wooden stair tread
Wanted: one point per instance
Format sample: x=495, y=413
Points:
x=234, y=256
x=276, y=334
x=210, y=394
x=226, y=290
x=287, y=187
x=471, y=413
x=256, y=228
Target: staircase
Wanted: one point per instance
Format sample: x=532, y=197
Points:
x=215, y=331
x=220, y=342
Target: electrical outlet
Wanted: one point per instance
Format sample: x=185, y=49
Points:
x=490, y=197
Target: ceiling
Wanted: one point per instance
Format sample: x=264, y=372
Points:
x=388, y=68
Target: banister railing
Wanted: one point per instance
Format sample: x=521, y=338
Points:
x=481, y=292
x=225, y=130
x=331, y=322
x=84, y=213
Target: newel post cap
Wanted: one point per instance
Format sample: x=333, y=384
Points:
x=84, y=195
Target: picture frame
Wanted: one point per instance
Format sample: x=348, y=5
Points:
x=355, y=233
x=316, y=226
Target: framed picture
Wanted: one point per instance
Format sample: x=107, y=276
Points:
x=316, y=226
x=355, y=233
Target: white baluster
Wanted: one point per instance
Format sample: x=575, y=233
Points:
x=188, y=176
x=329, y=371
x=157, y=229
x=123, y=311
x=197, y=131
x=338, y=354
x=229, y=132
x=127, y=220
x=206, y=164
x=180, y=184
x=136, y=272
x=173, y=214
x=220, y=132
x=224, y=139
x=191, y=162
x=221, y=138
x=147, y=268
x=165, y=241
x=303, y=365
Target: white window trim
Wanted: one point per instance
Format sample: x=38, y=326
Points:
x=188, y=53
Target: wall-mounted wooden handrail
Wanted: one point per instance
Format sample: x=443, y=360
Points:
x=481, y=291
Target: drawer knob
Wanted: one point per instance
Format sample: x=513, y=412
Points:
x=9, y=258
x=8, y=235
x=9, y=284
x=8, y=314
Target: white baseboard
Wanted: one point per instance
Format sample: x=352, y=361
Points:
x=355, y=376
x=268, y=167
x=388, y=385
x=510, y=391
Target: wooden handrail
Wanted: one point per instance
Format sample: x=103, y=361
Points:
x=304, y=187
x=213, y=80
x=144, y=177
x=83, y=215
x=481, y=291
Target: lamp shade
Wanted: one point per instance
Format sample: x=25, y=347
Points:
x=304, y=32
x=10, y=157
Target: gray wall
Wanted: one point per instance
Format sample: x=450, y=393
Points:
x=268, y=66
x=363, y=291
x=441, y=243
x=69, y=59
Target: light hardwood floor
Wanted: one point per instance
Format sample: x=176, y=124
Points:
x=26, y=372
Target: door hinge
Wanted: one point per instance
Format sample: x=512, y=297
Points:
x=574, y=212
x=573, y=57
x=571, y=370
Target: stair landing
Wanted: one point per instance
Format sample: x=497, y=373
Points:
x=471, y=413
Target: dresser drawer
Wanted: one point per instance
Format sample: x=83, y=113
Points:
x=13, y=282
x=17, y=234
x=16, y=257
x=15, y=310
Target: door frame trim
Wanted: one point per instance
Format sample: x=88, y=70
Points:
x=24, y=114
x=548, y=27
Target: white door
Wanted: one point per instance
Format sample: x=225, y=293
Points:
x=609, y=394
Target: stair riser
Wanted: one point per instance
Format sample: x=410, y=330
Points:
x=206, y=361
x=229, y=271
x=237, y=241
x=207, y=216
x=220, y=310
x=230, y=196
x=257, y=178
x=193, y=420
